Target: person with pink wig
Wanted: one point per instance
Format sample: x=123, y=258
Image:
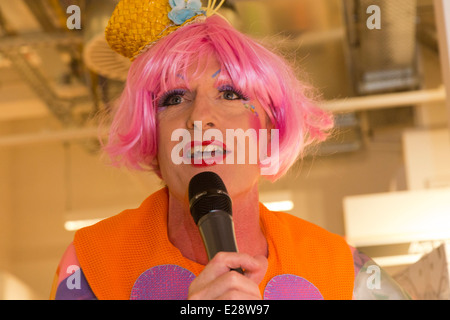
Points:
x=206, y=79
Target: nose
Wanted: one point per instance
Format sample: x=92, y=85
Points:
x=201, y=110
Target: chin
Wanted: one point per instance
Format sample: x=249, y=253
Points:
x=235, y=177
x=238, y=179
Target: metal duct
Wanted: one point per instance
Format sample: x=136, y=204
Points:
x=385, y=59
x=27, y=49
x=44, y=14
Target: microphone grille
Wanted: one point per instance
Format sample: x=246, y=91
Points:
x=207, y=193
x=204, y=181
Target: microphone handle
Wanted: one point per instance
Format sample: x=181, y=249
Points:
x=217, y=231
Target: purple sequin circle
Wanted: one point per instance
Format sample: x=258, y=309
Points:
x=291, y=287
x=164, y=282
x=171, y=282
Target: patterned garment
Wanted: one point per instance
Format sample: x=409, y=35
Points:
x=171, y=282
x=130, y=256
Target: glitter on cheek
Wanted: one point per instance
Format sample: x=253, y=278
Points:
x=254, y=122
x=251, y=108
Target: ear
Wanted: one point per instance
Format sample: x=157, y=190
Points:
x=154, y=163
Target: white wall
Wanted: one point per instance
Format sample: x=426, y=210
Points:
x=321, y=183
x=45, y=181
x=5, y=203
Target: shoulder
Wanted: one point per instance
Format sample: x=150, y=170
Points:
x=149, y=214
x=300, y=229
x=372, y=282
x=69, y=281
x=306, y=249
x=308, y=240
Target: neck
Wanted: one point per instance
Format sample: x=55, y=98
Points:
x=184, y=234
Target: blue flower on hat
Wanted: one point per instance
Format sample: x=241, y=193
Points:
x=183, y=10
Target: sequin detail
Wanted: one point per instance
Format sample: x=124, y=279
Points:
x=291, y=287
x=164, y=282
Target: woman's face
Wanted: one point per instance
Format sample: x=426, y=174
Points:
x=207, y=128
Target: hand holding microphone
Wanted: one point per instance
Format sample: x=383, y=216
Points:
x=211, y=210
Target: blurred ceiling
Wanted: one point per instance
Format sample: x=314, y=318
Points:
x=48, y=69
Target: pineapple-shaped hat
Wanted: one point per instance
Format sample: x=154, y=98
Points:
x=137, y=24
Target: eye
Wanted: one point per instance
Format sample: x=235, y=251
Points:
x=171, y=98
x=231, y=93
x=174, y=99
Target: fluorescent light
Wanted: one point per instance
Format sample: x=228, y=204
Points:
x=77, y=219
x=73, y=225
x=280, y=200
x=286, y=205
x=397, y=260
x=397, y=217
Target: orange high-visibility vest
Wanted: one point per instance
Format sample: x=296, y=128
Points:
x=116, y=251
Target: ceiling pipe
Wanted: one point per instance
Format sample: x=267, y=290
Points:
x=388, y=100
x=52, y=137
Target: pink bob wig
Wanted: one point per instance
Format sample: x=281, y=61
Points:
x=249, y=66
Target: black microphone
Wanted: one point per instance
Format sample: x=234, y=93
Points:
x=211, y=210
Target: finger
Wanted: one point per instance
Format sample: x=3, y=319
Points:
x=217, y=278
x=223, y=262
x=230, y=285
x=257, y=274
